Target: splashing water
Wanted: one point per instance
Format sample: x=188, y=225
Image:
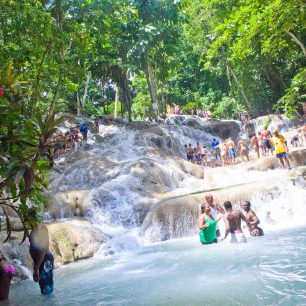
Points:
x=145, y=270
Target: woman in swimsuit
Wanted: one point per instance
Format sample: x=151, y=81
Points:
x=207, y=226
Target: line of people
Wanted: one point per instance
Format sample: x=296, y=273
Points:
x=224, y=151
x=263, y=144
x=201, y=155
x=211, y=213
x=63, y=143
x=267, y=144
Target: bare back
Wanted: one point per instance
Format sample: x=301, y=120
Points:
x=234, y=221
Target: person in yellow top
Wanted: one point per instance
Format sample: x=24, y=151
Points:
x=280, y=147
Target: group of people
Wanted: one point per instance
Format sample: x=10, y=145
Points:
x=63, y=143
x=211, y=213
x=266, y=144
x=263, y=144
x=300, y=137
x=224, y=151
x=201, y=155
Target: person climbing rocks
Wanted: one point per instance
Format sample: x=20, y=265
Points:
x=84, y=131
x=43, y=261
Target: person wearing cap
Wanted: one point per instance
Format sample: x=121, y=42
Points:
x=280, y=146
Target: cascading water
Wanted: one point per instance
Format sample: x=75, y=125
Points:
x=147, y=194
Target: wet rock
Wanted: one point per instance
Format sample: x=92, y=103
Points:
x=71, y=241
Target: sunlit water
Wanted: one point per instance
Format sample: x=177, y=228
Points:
x=268, y=270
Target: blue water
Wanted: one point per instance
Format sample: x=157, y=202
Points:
x=269, y=270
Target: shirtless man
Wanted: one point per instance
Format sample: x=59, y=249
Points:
x=230, y=145
x=255, y=145
x=243, y=149
x=215, y=209
x=232, y=220
x=204, y=153
x=266, y=136
x=198, y=155
x=252, y=218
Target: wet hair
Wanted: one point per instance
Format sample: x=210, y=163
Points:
x=203, y=208
x=190, y=145
x=227, y=204
x=185, y=146
x=247, y=202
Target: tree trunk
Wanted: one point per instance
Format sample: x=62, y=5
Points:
x=78, y=104
x=116, y=100
x=85, y=92
x=127, y=96
x=56, y=94
x=238, y=84
x=38, y=77
x=297, y=41
x=231, y=93
x=59, y=21
x=151, y=85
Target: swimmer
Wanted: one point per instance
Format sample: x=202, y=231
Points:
x=232, y=220
x=252, y=218
x=207, y=226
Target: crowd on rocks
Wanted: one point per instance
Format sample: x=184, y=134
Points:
x=263, y=144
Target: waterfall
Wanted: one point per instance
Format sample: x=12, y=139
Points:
x=135, y=184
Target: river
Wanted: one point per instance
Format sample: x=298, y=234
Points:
x=145, y=270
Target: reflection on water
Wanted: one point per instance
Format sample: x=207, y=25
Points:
x=267, y=270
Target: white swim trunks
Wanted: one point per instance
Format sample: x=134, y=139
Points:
x=235, y=238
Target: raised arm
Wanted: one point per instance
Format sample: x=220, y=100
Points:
x=220, y=209
x=201, y=223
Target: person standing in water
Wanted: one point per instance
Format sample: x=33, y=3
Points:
x=43, y=261
x=252, y=218
x=280, y=146
x=232, y=220
x=215, y=210
x=207, y=226
x=7, y=272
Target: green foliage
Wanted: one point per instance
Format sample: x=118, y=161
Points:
x=292, y=102
x=189, y=107
x=265, y=123
x=25, y=151
x=228, y=108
